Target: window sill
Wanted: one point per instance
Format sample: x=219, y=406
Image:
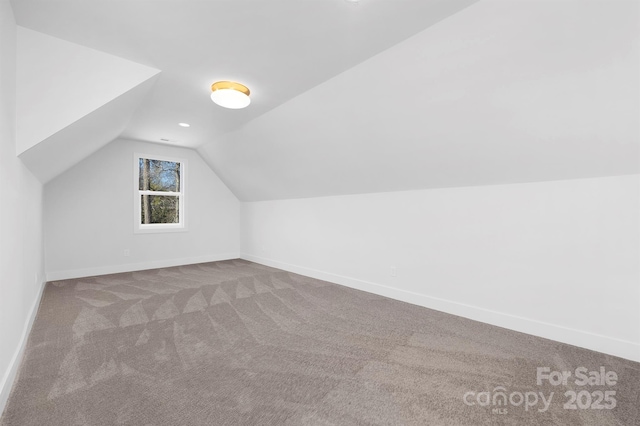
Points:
x=158, y=229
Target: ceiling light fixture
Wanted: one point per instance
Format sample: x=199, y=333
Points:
x=229, y=94
x=184, y=125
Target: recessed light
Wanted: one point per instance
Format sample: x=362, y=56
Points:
x=183, y=124
x=229, y=94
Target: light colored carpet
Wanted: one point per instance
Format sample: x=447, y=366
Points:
x=237, y=343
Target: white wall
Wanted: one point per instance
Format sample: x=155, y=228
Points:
x=21, y=255
x=88, y=216
x=556, y=259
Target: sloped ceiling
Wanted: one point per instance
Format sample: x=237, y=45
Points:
x=279, y=48
x=71, y=100
x=377, y=96
x=501, y=92
x=77, y=141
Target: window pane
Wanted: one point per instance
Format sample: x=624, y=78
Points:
x=157, y=175
x=159, y=209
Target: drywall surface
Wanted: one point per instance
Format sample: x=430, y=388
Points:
x=89, y=220
x=60, y=82
x=21, y=254
x=557, y=259
x=500, y=92
x=81, y=100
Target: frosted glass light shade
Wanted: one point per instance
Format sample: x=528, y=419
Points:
x=229, y=94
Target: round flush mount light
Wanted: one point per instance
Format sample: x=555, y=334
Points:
x=184, y=125
x=229, y=94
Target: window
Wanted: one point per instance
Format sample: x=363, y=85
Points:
x=159, y=194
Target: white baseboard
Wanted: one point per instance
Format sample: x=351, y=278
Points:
x=12, y=371
x=132, y=267
x=597, y=342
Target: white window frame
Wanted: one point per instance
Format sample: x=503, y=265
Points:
x=142, y=228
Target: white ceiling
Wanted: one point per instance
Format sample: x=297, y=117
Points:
x=383, y=95
x=501, y=92
x=79, y=81
x=279, y=48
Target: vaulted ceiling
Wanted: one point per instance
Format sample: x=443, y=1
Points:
x=379, y=95
x=279, y=48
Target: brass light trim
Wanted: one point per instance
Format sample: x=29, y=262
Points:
x=220, y=85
